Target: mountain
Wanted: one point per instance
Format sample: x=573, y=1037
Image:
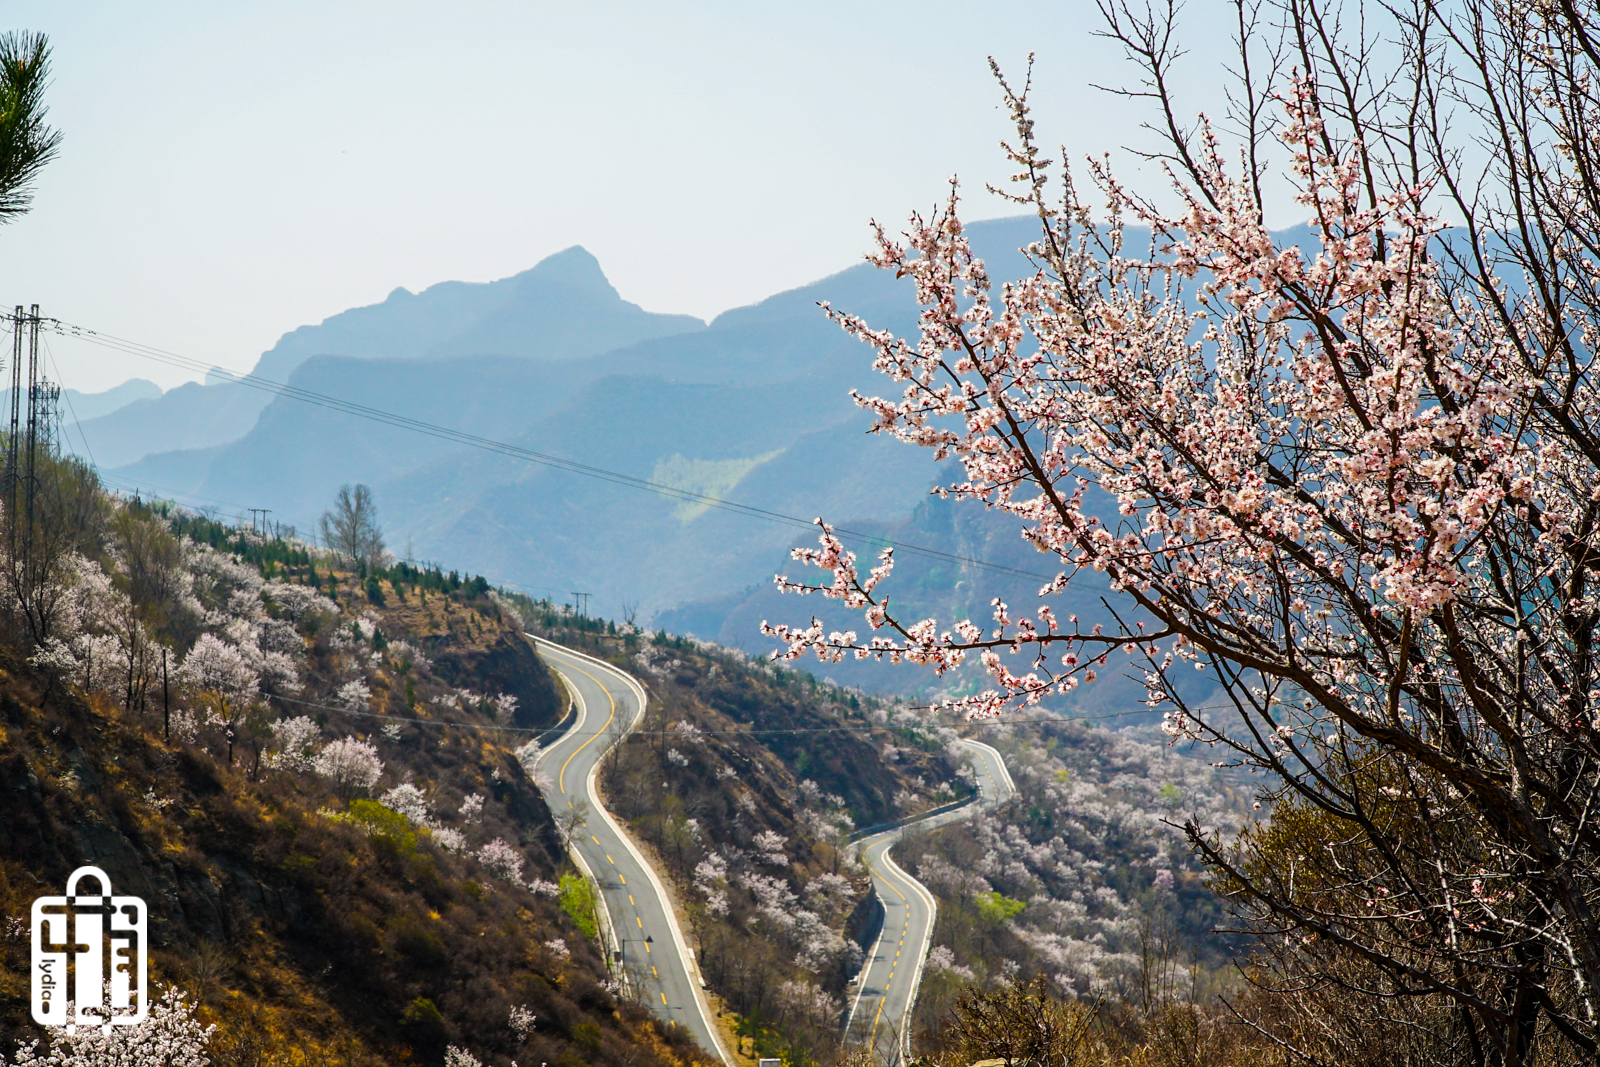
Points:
x=190, y=416
x=76, y=405
x=561, y=309
x=754, y=407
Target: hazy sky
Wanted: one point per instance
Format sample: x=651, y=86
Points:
x=231, y=171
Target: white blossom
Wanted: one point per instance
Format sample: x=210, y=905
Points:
x=293, y=740
x=352, y=764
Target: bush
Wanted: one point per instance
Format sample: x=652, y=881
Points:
x=423, y=1024
x=385, y=826
x=578, y=901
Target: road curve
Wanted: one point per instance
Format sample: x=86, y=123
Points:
x=886, y=989
x=655, y=961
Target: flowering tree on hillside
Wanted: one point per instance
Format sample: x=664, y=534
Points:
x=170, y=1037
x=353, y=765
x=221, y=674
x=1354, y=479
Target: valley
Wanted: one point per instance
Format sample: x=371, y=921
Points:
x=717, y=828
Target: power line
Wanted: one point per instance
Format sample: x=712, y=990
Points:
x=748, y=731
x=194, y=500
x=404, y=422
x=67, y=396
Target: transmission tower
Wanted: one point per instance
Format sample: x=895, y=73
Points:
x=47, y=409
x=24, y=434
x=19, y=321
x=31, y=479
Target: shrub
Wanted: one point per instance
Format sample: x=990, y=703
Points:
x=578, y=901
x=385, y=825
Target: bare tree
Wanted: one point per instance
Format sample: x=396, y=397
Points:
x=1021, y=1024
x=570, y=820
x=350, y=527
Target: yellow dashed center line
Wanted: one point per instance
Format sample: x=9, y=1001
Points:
x=639, y=921
x=623, y=878
x=630, y=900
x=610, y=860
x=654, y=971
x=561, y=778
x=663, y=999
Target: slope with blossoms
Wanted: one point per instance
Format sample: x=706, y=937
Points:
x=1083, y=879
x=332, y=874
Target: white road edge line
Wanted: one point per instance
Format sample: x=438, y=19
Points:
x=916, y=975
x=679, y=942
x=861, y=985
x=999, y=760
x=614, y=941
x=933, y=906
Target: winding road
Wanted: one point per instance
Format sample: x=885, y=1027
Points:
x=886, y=989
x=644, y=941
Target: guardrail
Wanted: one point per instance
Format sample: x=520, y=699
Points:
x=901, y=823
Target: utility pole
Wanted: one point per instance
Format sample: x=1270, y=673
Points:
x=21, y=470
x=33, y=414
x=583, y=612
x=263, y=513
x=12, y=473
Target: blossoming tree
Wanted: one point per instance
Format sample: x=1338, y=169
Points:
x=170, y=1036
x=352, y=764
x=1356, y=478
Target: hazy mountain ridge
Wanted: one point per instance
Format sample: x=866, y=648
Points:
x=561, y=309
x=295, y=455
x=188, y=417
x=78, y=405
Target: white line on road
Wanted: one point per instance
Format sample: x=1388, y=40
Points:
x=691, y=965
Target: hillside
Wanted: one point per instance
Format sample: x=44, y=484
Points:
x=310, y=923
x=347, y=860
x=1084, y=878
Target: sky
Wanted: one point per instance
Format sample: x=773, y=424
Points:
x=232, y=171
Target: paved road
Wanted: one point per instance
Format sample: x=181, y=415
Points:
x=886, y=989
x=656, y=962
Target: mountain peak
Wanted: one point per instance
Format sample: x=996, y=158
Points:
x=574, y=268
